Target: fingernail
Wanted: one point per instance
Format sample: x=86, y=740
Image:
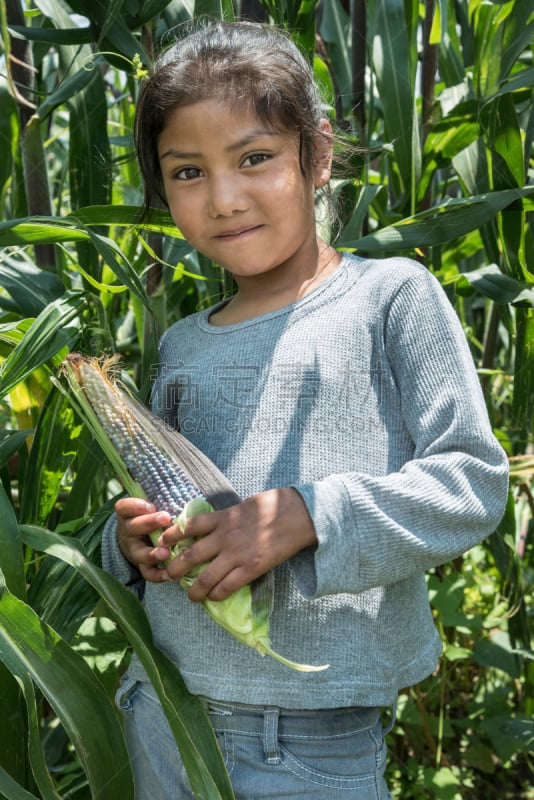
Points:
x=163, y=518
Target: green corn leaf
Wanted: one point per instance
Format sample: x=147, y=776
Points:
x=10, y=441
x=30, y=287
x=451, y=64
x=185, y=712
x=113, y=34
x=353, y=229
x=392, y=58
x=110, y=251
x=112, y=11
x=40, y=771
x=13, y=754
x=52, y=451
x=451, y=135
x=10, y=789
x=12, y=332
x=488, y=32
x=500, y=288
x=11, y=547
x=130, y=216
x=90, y=471
x=65, y=36
x=100, y=642
x=90, y=159
x=323, y=80
x=89, y=150
x=55, y=329
x=219, y=9
x=39, y=230
x=105, y=288
x=451, y=220
x=518, y=35
x=507, y=147
x=145, y=11
x=67, y=89
x=114, y=37
x=8, y=135
x=58, y=593
x=471, y=166
x=29, y=647
x=335, y=33
x=13, y=729
x=523, y=400
x=42, y=232
x=74, y=227
x=524, y=79
x=439, y=25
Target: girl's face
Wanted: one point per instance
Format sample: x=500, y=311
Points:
x=236, y=191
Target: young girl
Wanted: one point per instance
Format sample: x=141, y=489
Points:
x=338, y=395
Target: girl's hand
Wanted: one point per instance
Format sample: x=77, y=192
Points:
x=240, y=543
x=136, y=519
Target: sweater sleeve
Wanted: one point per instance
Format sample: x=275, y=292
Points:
x=376, y=530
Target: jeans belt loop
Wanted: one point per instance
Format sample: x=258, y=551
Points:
x=271, y=749
x=392, y=719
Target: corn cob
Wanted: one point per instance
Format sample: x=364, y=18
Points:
x=154, y=461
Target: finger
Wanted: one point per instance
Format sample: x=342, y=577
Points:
x=231, y=583
x=218, y=580
x=202, y=551
x=217, y=584
x=146, y=523
x=133, y=506
x=144, y=553
x=171, y=536
x=197, y=526
x=154, y=574
x=202, y=524
x=138, y=547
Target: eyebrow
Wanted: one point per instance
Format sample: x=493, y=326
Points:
x=246, y=140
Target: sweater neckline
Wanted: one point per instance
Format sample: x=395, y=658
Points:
x=331, y=285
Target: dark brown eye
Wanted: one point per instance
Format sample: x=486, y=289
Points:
x=187, y=174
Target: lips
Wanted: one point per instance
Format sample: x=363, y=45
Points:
x=237, y=233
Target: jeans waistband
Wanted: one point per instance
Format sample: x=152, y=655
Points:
x=273, y=725
x=292, y=722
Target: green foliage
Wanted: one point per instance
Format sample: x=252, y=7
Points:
x=444, y=109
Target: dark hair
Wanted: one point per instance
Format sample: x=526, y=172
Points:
x=242, y=62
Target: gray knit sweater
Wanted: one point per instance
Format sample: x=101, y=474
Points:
x=364, y=397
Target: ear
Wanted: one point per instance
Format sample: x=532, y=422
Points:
x=324, y=149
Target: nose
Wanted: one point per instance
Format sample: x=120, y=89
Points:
x=226, y=196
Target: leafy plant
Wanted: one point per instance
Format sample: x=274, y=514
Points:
x=441, y=96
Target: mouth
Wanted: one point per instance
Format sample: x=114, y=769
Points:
x=237, y=233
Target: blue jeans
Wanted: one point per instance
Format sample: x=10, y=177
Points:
x=269, y=752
